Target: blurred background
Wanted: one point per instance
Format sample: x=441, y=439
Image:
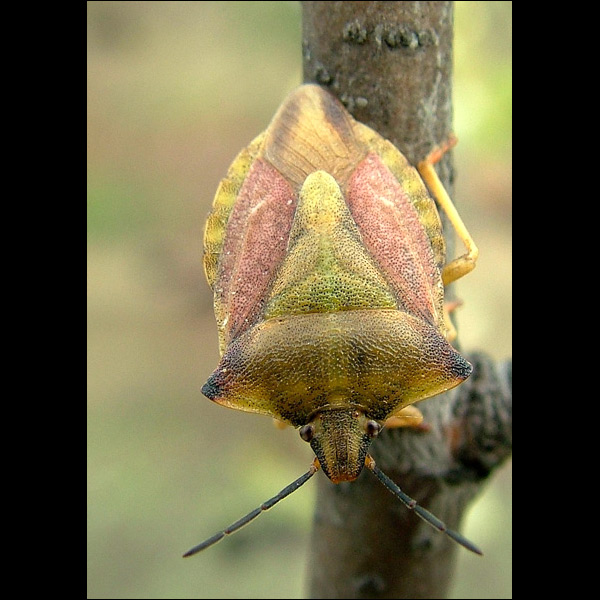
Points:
x=175, y=90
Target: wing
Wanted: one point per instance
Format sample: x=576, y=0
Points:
x=248, y=232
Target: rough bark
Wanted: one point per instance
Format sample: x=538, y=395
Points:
x=391, y=65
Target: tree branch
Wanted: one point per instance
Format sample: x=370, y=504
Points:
x=391, y=65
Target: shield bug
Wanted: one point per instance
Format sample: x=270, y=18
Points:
x=325, y=253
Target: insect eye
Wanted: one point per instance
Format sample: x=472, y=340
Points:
x=307, y=432
x=372, y=428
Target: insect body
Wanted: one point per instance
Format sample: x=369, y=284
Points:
x=325, y=253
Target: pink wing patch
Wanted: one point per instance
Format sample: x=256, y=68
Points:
x=393, y=234
x=255, y=244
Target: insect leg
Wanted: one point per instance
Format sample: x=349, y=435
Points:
x=451, y=332
x=463, y=264
x=286, y=491
x=409, y=416
x=412, y=504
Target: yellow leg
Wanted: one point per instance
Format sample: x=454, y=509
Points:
x=409, y=416
x=463, y=264
x=451, y=332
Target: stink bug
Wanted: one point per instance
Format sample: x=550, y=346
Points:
x=325, y=253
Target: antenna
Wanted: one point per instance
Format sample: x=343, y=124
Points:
x=286, y=491
x=412, y=504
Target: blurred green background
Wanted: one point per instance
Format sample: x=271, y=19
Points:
x=175, y=90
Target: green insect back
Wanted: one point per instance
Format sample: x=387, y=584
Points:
x=325, y=254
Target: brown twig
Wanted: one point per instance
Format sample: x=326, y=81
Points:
x=391, y=65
